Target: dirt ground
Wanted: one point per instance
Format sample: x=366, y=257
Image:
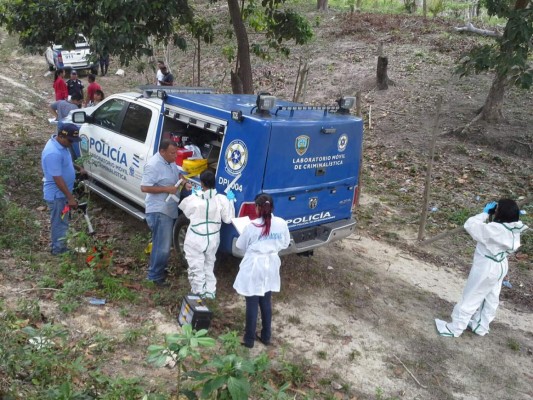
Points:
x=359, y=313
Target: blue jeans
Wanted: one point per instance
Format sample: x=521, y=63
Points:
x=58, y=225
x=265, y=305
x=161, y=226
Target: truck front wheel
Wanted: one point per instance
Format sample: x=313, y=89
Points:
x=180, y=230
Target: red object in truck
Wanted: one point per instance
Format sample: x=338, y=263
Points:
x=183, y=154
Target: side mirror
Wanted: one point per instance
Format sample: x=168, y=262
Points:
x=79, y=117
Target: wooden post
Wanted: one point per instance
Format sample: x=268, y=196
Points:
x=427, y=186
x=360, y=173
x=381, y=76
x=358, y=105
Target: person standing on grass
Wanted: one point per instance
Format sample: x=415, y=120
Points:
x=206, y=209
x=104, y=62
x=74, y=85
x=60, y=87
x=495, y=241
x=92, y=88
x=159, y=73
x=159, y=178
x=168, y=78
x=58, y=183
x=258, y=275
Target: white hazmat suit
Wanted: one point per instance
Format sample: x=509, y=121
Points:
x=477, y=308
x=206, y=212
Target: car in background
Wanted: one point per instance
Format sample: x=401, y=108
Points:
x=76, y=59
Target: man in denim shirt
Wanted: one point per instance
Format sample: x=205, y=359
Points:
x=58, y=182
x=159, y=178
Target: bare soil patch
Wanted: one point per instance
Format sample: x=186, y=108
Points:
x=356, y=308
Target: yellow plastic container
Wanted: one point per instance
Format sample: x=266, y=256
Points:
x=195, y=167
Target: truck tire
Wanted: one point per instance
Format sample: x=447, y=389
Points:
x=94, y=70
x=180, y=229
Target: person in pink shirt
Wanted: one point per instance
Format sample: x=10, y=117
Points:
x=60, y=87
x=93, y=87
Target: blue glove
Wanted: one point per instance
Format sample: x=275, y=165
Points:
x=489, y=207
x=230, y=195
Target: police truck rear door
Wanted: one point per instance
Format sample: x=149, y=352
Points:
x=312, y=166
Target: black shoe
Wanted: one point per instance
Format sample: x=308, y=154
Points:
x=161, y=283
x=247, y=345
x=257, y=337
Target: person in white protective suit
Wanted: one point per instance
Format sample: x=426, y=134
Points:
x=495, y=241
x=206, y=211
x=258, y=274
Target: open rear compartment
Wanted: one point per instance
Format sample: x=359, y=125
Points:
x=199, y=141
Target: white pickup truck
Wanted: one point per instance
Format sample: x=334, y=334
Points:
x=77, y=59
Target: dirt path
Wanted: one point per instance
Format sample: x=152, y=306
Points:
x=389, y=314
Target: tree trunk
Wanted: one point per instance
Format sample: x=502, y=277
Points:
x=199, y=52
x=244, y=71
x=492, y=109
x=236, y=83
x=322, y=5
x=382, y=78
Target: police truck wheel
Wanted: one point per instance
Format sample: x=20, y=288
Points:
x=180, y=229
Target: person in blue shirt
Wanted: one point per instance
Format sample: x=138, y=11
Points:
x=160, y=176
x=58, y=183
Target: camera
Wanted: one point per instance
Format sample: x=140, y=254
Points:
x=492, y=211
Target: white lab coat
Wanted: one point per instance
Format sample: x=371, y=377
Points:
x=206, y=212
x=477, y=308
x=259, y=269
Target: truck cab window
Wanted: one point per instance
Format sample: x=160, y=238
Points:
x=136, y=122
x=109, y=114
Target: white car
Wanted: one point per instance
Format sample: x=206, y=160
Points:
x=77, y=59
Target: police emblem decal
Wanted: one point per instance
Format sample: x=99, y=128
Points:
x=236, y=157
x=343, y=142
x=313, y=202
x=302, y=144
x=84, y=143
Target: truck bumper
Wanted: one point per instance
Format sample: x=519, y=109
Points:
x=307, y=239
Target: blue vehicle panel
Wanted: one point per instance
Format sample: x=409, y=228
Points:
x=306, y=159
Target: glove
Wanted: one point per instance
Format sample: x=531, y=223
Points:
x=230, y=195
x=489, y=207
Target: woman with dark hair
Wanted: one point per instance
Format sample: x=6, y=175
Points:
x=60, y=87
x=258, y=274
x=495, y=241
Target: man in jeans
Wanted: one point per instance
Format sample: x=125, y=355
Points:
x=159, y=178
x=58, y=182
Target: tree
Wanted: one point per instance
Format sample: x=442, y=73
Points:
x=274, y=25
x=507, y=56
x=322, y=5
x=128, y=28
x=123, y=27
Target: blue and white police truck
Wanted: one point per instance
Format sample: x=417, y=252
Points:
x=306, y=157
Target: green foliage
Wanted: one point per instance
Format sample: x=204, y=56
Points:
x=410, y=6
x=513, y=344
x=459, y=216
x=435, y=7
x=277, y=25
x=20, y=229
x=508, y=55
x=78, y=284
x=123, y=28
